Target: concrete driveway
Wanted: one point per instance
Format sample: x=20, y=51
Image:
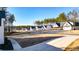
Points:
x=41, y=47
x=58, y=44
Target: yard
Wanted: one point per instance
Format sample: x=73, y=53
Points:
x=70, y=32
x=74, y=46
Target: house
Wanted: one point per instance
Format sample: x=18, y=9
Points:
x=48, y=27
x=44, y=27
x=73, y=26
x=19, y=29
x=68, y=26
x=76, y=27
x=54, y=24
x=41, y=27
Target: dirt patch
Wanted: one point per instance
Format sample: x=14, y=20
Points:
x=74, y=46
x=71, y=32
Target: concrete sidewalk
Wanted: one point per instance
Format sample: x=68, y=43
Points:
x=15, y=44
x=63, y=42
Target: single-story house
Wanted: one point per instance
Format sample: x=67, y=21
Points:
x=54, y=24
x=68, y=26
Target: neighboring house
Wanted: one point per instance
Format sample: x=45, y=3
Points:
x=47, y=26
x=22, y=29
x=54, y=24
x=68, y=26
x=39, y=28
x=31, y=28
x=42, y=27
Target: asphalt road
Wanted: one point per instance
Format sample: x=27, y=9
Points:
x=47, y=32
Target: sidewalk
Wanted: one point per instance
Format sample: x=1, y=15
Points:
x=63, y=42
x=15, y=45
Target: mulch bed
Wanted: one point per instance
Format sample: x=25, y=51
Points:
x=32, y=41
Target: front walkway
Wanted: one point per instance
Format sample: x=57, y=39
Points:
x=58, y=44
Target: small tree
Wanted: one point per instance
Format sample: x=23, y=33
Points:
x=9, y=19
x=38, y=22
x=73, y=16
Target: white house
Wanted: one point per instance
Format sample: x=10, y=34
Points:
x=48, y=27
x=31, y=29
x=68, y=26
x=44, y=28
x=36, y=27
x=54, y=25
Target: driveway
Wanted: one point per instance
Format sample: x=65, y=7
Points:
x=58, y=44
x=41, y=47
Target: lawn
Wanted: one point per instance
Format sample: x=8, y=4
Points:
x=74, y=46
x=70, y=32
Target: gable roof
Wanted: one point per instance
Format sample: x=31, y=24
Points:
x=58, y=24
x=67, y=24
x=55, y=25
x=70, y=23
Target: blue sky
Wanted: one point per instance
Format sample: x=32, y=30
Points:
x=27, y=15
